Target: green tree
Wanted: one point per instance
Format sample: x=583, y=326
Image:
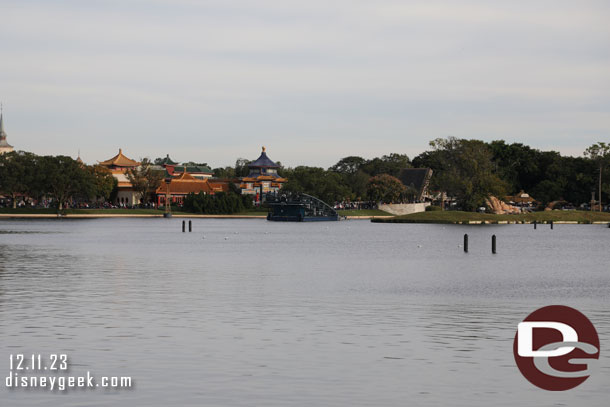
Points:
x=224, y=172
x=325, y=185
x=466, y=171
x=17, y=174
x=348, y=165
x=64, y=178
x=349, y=168
x=386, y=188
x=600, y=154
x=390, y=164
x=144, y=179
x=104, y=181
x=241, y=167
x=521, y=166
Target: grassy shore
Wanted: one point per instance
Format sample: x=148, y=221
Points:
x=477, y=218
x=156, y=212
x=52, y=211
x=363, y=212
x=111, y=212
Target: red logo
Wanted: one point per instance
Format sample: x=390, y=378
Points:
x=556, y=347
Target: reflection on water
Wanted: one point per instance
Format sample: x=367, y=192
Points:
x=250, y=312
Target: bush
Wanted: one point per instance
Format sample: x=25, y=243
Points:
x=218, y=204
x=433, y=208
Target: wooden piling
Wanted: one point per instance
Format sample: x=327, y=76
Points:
x=183, y=226
x=190, y=226
x=466, y=243
x=493, y=244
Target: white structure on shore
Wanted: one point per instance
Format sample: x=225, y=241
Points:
x=5, y=147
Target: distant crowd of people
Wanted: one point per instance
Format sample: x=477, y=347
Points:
x=355, y=205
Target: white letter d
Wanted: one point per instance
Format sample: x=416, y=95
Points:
x=525, y=338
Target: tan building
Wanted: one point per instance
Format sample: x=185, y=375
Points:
x=118, y=166
x=5, y=147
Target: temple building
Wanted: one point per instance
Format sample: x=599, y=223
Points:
x=199, y=171
x=5, y=147
x=118, y=166
x=263, y=178
x=183, y=184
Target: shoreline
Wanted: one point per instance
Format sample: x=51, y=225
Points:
x=144, y=215
x=493, y=222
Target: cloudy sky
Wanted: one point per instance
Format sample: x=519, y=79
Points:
x=314, y=80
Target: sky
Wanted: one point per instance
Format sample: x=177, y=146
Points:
x=313, y=81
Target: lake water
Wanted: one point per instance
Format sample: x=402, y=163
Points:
x=255, y=313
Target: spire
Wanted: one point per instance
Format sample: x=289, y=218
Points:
x=4, y=145
x=2, y=121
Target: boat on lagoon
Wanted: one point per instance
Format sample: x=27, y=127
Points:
x=299, y=208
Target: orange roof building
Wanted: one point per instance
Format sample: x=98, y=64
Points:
x=118, y=166
x=184, y=184
x=119, y=161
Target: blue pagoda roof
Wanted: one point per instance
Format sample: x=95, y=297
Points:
x=263, y=162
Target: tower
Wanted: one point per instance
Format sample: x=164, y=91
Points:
x=5, y=147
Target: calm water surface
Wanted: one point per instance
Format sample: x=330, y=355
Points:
x=255, y=313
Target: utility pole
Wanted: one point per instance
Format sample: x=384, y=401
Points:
x=600, y=188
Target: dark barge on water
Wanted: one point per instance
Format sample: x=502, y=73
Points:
x=299, y=208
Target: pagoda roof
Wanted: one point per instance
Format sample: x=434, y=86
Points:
x=167, y=161
x=119, y=160
x=186, y=183
x=193, y=169
x=258, y=177
x=263, y=162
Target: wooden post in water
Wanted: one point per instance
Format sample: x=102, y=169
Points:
x=493, y=244
x=551, y=225
x=535, y=224
x=183, y=226
x=190, y=226
x=466, y=243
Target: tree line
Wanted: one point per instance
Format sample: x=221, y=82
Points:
x=467, y=170
x=59, y=179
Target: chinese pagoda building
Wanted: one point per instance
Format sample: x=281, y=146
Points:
x=183, y=184
x=199, y=171
x=5, y=147
x=118, y=166
x=262, y=179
